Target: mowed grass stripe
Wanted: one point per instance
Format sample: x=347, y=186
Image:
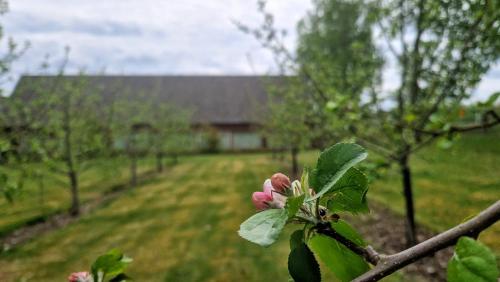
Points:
x=77, y=245
x=28, y=205
x=450, y=185
x=181, y=227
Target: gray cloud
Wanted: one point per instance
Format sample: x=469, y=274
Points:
x=31, y=23
x=158, y=37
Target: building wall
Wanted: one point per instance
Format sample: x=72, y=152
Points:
x=231, y=140
x=231, y=137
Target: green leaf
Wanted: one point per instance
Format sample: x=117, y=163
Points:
x=472, y=261
x=444, y=143
x=346, y=230
x=4, y=145
x=492, y=99
x=332, y=164
x=296, y=238
x=293, y=205
x=302, y=265
x=410, y=117
x=330, y=105
x=342, y=262
x=264, y=227
x=110, y=265
x=349, y=193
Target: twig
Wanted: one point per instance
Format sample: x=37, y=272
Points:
x=466, y=128
x=369, y=254
x=389, y=264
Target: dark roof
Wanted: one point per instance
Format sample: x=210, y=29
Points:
x=213, y=99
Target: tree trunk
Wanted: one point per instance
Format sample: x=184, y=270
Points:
x=411, y=239
x=295, y=164
x=72, y=175
x=133, y=169
x=41, y=187
x=75, y=201
x=159, y=162
x=108, y=139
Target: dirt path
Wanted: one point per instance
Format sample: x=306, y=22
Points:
x=385, y=231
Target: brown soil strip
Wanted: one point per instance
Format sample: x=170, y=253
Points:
x=385, y=230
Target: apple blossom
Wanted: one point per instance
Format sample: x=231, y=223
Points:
x=80, y=277
x=269, y=198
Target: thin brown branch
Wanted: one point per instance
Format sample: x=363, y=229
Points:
x=389, y=264
x=469, y=45
x=369, y=254
x=389, y=44
x=466, y=128
x=382, y=151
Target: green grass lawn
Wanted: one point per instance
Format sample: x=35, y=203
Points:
x=33, y=203
x=450, y=185
x=181, y=226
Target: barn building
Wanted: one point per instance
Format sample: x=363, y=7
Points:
x=235, y=106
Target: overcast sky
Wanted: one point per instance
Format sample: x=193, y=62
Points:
x=158, y=36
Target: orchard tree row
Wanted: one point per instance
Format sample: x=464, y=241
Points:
x=68, y=125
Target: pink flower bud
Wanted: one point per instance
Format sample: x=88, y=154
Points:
x=269, y=198
x=280, y=182
x=261, y=200
x=80, y=277
x=267, y=187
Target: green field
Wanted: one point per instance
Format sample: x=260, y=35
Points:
x=181, y=226
x=450, y=185
x=35, y=202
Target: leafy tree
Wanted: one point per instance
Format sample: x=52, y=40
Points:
x=7, y=187
x=339, y=62
x=210, y=139
x=132, y=126
x=171, y=131
x=65, y=127
x=109, y=112
x=316, y=203
x=286, y=126
x=335, y=64
x=442, y=49
x=137, y=124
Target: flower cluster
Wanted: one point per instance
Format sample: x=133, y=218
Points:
x=275, y=192
x=80, y=277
